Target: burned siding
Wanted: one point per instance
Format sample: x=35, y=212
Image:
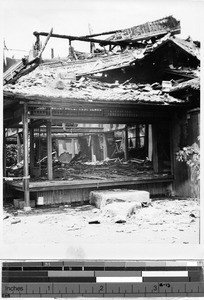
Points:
x=185, y=131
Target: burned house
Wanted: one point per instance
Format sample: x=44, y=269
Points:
x=112, y=118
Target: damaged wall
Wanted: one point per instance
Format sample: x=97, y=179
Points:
x=185, y=130
x=153, y=67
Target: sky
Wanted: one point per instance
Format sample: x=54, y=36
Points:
x=21, y=18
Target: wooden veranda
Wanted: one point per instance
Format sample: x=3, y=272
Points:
x=30, y=113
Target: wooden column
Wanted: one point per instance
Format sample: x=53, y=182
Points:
x=171, y=147
x=4, y=151
x=25, y=158
x=39, y=153
x=73, y=147
x=146, y=141
x=4, y=164
x=18, y=148
x=31, y=150
x=150, y=143
x=137, y=136
x=155, y=148
x=126, y=143
x=93, y=157
x=52, y=53
x=49, y=152
x=105, y=149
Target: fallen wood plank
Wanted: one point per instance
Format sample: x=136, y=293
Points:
x=88, y=176
x=24, y=67
x=45, y=44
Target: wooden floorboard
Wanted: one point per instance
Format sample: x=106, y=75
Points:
x=87, y=183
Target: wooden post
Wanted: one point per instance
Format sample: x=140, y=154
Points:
x=155, y=148
x=4, y=164
x=39, y=152
x=49, y=152
x=25, y=159
x=146, y=139
x=31, y=150
x=73, y=147
x=138, y=136
x=18, y=148
x=150, y=143
x=92, y=150
x=4, y=152
x=52, y=53
x=171, y=147
x=126, y=143
x=105, y=149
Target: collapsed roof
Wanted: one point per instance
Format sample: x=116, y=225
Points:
x=148, y=30
x=112, y=61
x=59, y=78
x=124, y=59
x=44, y=84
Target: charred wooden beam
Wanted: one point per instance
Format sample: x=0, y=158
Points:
x=24, y=66
x=78, y=38
x=126, y=143
x=31, y=151
x=25, y=158
x=4, y=152
x=155, y=148
x=49, y=151
x=18, y=147
x=45, y=44
x=102, y=33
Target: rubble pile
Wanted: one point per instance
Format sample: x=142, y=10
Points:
x=88, y=89
x=109, y=168
x=15, y=170
x=169, y=221
x=186, y=71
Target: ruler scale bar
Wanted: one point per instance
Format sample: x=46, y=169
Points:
x=102, y=279
x=103, y=288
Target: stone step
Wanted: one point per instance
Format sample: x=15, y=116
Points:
x=105, y=197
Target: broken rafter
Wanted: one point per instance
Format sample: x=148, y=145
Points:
x=78, y=38
x=45, y=44
x=102, y=33
x=148, y=30
x=24, y=67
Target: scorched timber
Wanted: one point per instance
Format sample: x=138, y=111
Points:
x=78, y=38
